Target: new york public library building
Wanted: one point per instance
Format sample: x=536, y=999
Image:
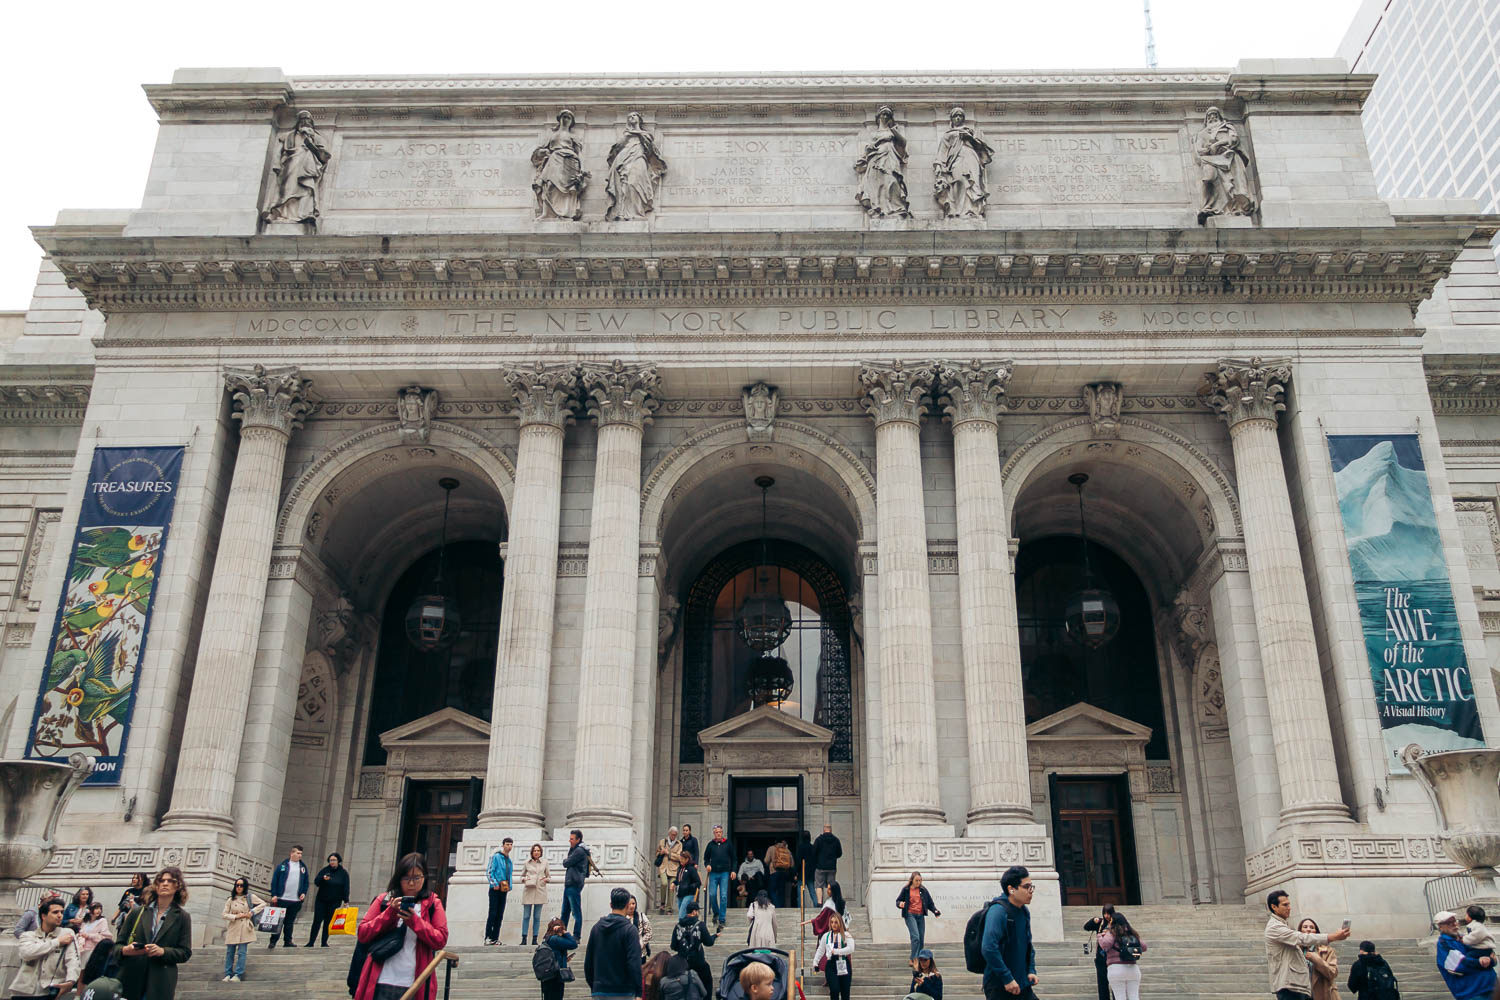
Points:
x=1084, y=470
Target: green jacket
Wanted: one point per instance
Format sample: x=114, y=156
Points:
x=148, y=978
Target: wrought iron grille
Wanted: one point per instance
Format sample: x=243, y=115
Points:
x=834, y=709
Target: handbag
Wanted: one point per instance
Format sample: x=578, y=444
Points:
x=345, y=920
x=271, y=918
x=565, y=974
x=386, y=946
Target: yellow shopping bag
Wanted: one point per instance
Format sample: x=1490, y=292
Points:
x=345, y=920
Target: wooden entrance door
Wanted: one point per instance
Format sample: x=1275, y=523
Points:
x=1090, y=861
x=438, y=815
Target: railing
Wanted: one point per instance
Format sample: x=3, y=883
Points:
x=442, y=956
x=1448, y=893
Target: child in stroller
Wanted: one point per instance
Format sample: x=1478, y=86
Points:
x=732, y=986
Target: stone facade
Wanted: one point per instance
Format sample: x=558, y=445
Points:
x=607, y=366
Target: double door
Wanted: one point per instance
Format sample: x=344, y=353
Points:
x=436, y=815
x=1088, y=841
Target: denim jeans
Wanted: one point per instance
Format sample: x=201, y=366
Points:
x=682, y=905
x=718, y=894
x=531, y=912
x=573, y=903
x=234, y=959
x=916, y=929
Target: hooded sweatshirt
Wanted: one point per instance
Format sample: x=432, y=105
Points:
x=1363, y=973
x=612, y=964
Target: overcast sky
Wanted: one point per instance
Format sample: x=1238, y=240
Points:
x=77, y=67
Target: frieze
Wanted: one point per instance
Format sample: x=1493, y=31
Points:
x=1340, y=855
x=573, y=559
x=961, y=853
x=43, y=404
x=199, y=863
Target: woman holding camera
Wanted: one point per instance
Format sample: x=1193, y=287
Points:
x=1098, y=925
x=404, y=927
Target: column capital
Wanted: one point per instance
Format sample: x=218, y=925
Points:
x=544, y=394
x=618, y=393
x=895, y=392
x=1247, y=390
x=975, y=391
x=268, y=397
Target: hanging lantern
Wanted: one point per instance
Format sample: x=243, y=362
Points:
x=1092, y=615
x=770, y=681
x=432, y=621
x=763, y=620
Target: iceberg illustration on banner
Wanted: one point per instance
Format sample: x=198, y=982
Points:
x=1388, y=519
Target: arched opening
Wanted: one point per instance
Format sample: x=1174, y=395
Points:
x=717, y=663
x=1057, y=671
x=411, y=683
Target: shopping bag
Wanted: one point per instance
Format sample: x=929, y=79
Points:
x=271, y=918
x=345, y=920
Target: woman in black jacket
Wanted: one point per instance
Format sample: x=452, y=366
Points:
x=159, y=940
x=333, y=892
x=688, y=884
x=1099, y=925
x=915, y=903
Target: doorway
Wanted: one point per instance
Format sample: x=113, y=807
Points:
x=436, y=815
x=1092, y=838
x=762, y=812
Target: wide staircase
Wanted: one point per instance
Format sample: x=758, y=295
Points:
x=1195, y=953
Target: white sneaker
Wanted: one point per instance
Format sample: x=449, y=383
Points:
x=226, y=979
x=235, y=979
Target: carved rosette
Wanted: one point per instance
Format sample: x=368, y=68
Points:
x=975, y=391
x=618, y=393
x=895, y=392
x=544, y=394
x=1103, y=400
x=1247, y=390
x=274, y=398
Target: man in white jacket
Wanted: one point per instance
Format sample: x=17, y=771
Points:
x=49, y=956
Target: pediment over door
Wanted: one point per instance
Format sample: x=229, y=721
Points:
x=766, y=742
x=1086, y=722
x=1084, y=736
x=766, y=724
x=445, y=728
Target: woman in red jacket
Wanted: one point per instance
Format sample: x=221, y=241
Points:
x=414, y=927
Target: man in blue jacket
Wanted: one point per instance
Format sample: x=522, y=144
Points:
x=575, y=871
x=1467, y=977
x=289, y=889
x=1008, y=952
x=500, y=871
x=612, y=963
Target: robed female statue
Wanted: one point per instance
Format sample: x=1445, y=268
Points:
x=302, y=156
x=882, y=185
x=558, y=177
x=959, y=170
x=636, y=168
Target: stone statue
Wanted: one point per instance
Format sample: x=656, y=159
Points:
x=962, y=158
x=1224, y=168
x=1103, y=400
x=559, y=177
x=882, y=185
x=336, y=625
x=302, y=158
x=666, y=625
x=760, y=410
x=415, y=408
x=635, y=172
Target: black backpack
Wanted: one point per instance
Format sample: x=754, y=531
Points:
x=544, y=963
x=974, y=938
x=1380, y=982
x=689, y=937
x=1129, y=947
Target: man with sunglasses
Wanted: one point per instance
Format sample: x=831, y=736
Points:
x=1008, y=952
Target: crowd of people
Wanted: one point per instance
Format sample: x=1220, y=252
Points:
x=69, y=945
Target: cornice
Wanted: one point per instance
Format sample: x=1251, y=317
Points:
x=119, y=274
x=1465, y=389
x=43, y=403
x=217, y=101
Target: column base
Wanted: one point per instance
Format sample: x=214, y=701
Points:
x=511, y=821
x=620, y=857
x=927, y=817
x=1327, y=812
x=962, y=873
x=1343, y=869
x=194, y=820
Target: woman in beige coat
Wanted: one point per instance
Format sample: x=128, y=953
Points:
x=1323, y=963
x=239, y=914
x=534, y=878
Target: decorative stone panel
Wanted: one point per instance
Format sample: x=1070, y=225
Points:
x=1346, y=856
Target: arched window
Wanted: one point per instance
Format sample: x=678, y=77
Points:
x=410, y=683
x=716, y=664
x=1056, y=672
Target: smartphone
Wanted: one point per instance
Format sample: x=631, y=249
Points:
x=410, y=903
x=1346, y=925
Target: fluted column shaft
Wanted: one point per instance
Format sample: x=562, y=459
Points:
x=620, y=399
x=523, y=664
x=1248, y=395
x=999, y=782
x=270, y=404
x=896, y=399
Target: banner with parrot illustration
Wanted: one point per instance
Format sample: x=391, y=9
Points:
x=88, y=686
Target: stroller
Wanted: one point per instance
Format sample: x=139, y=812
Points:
x=779, y=961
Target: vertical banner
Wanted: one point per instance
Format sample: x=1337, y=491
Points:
x=1423, y=691
x=88, y=686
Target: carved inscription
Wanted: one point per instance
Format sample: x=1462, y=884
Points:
x=1063, y=168
x=768, y=171
x=433, y=172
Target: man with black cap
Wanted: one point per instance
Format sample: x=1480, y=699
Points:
x=1371, y=978
x=688, y=939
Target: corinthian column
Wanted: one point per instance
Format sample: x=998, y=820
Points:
x=269, y=403
x=523, y=665
x=1248, y=395
x=896, y=398
x=620, y=398
x=999, y=786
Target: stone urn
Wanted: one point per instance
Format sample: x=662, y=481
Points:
x=1464, y=786
x=33, y=794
